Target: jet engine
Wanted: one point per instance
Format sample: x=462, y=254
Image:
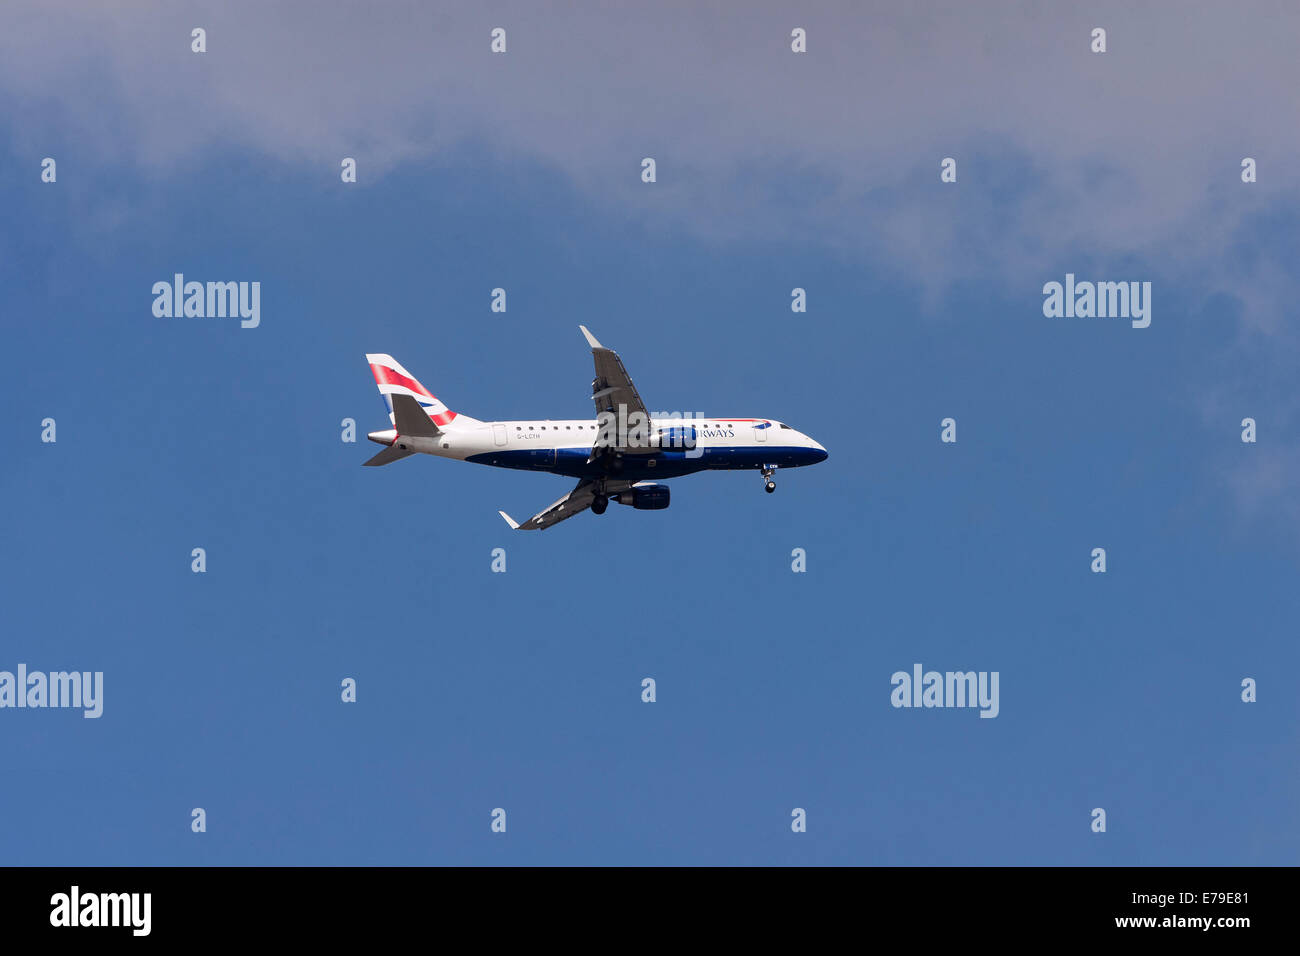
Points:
x=644, y=496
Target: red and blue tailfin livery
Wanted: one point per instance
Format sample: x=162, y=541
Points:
x=392, y=380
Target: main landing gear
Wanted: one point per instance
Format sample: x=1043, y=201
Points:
x=599, y=504
x=768, y=484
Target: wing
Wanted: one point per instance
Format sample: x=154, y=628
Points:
x=612, y=387
x=575, y=502
x=612, y=391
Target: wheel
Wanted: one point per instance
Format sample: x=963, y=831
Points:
x=771, y=487
x=599, y=504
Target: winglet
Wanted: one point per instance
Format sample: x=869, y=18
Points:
x=514, y=525
x=591, y=339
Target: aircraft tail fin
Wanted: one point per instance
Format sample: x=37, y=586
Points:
x=393, y=380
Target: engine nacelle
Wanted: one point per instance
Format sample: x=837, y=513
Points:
x=644, y=496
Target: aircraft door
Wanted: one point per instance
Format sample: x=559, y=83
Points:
x=760, y=430
x=499, y=435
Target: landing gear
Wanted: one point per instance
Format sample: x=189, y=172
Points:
x=599, y=504
x=768, y=484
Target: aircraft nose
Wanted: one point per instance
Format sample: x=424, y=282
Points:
x=821, y=452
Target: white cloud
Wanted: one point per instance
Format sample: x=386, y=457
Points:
x=1127, y=151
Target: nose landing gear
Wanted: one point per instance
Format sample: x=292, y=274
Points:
x=768, y=484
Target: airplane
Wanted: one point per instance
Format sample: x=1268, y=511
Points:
x=615, y=457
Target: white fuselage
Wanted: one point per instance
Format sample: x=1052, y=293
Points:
x=670, y=447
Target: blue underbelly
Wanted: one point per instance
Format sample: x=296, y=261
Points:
x=663, y=464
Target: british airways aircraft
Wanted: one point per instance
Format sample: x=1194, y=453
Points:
x=614, y=457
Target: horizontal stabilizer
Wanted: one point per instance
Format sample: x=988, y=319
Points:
x=411, y=420
x=392, y=453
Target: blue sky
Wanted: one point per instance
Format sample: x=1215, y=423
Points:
x=522, y=690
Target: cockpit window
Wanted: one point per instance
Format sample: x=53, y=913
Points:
x=786, y=427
